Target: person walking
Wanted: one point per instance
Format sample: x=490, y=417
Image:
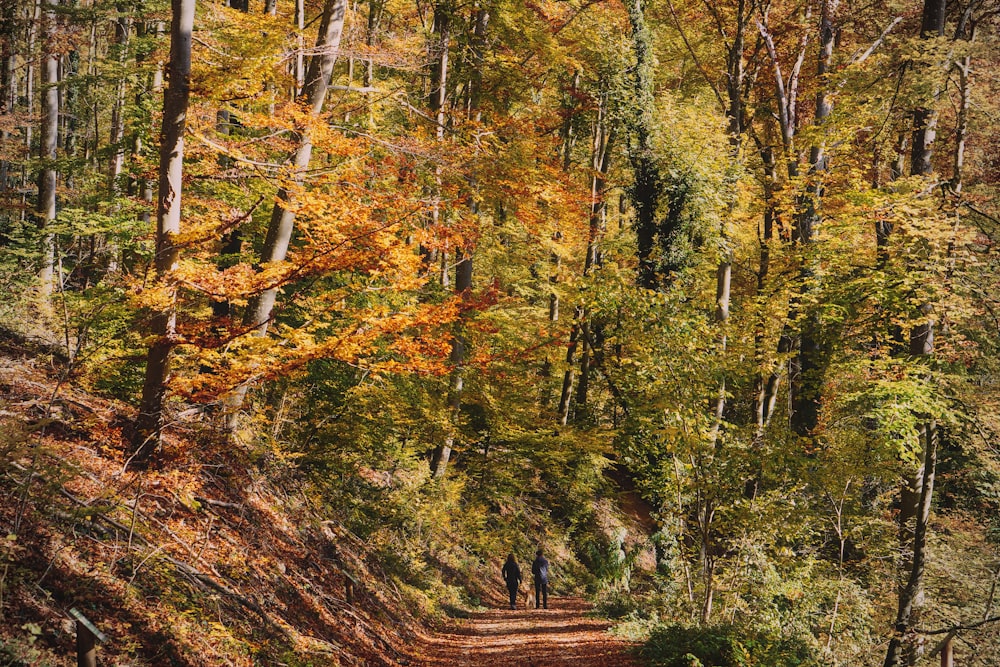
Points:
x=512, y=575
x=540, y=573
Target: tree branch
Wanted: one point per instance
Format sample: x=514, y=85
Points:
x=957, y=628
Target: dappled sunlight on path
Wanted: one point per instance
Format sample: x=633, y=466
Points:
x=561, y=635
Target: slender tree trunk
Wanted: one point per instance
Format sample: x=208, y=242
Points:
x=600, y=161
x=8, y=83
x=463, y=271
x=300, y=69
x=34, y=19
x=916, y=494
x=46, y=206
x=924, y=116
x=149, y=422
x=566, y=394
x=566, y=150
x=144, y=186
x=438, y=95
x=966, y=30
x=122, y=27
x=807, y=365
x=905, y=647
x=459, y=346
x=117, y=135
x=279, y=231
x=583, y=386
x=765, y=391
x=437, y=100
x=374, y=13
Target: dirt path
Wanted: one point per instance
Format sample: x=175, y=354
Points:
x=561, y=635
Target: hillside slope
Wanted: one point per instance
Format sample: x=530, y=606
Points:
x=189, y=564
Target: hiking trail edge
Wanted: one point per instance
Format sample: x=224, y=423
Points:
x=561, y=635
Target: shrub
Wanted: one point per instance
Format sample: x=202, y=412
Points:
x=724, y=646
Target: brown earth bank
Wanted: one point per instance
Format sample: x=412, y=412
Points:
x=561, y=635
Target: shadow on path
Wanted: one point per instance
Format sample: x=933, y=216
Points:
x=561, y=635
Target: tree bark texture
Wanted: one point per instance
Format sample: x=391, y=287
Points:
x=149, y=422
x=48, y=147
x=459, y=346
x=279, y=231
x=905, y=645
x=924, y=116
x=463, y=269
x=260, y=308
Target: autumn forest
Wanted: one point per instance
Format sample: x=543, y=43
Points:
x=314, y=310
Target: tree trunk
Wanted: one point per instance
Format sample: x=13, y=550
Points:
x=49, y=143
x=604, y=136
x=300, y=68
x=116, y=137
x=764, y=395
x=8, y=36
x=459, y=347
x=168, y=223
x=924, y=116
x=566, y=394
x=646, y=187
x=463, y=271
x=905, y=647
x=279, y=231
x=807, y=366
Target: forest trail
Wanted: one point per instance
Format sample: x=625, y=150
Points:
x=561, y=635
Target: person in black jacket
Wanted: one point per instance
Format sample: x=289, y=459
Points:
x=512, y=575
x=540, y=573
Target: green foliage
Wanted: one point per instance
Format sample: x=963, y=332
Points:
x=724, y=646
x=22, y=651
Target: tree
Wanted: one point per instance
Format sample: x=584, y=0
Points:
x=149, y=423
x=279, y=232
x=46, y=205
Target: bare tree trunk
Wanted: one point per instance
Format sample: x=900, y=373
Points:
x=600, y=161
x=463, y=271
x=149, y=422
x=459, y=347
x=807, y=364
x=300, y=69
x=566, y=394
x=46, y=206
x=905, y=647
x=8, y=82
x=368, y=80
x=116, y=138
x=279, y=231
x=438, y=95
x=34, y=19
x=764, y=393
x=924, y=116
x=437, y=100
x=555, y=261
x=583, y=386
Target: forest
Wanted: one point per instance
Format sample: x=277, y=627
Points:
x=314, y=310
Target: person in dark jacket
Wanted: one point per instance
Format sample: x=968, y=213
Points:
x=512, y=575
x=540, y=573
